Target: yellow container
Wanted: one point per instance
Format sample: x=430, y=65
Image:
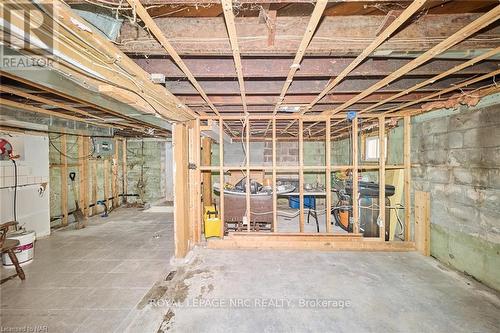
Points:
x=212, y=222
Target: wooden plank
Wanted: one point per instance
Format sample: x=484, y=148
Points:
x=407, y=174
x=114, y=176
x=449, y=42
x=86, y=183
x=247, y=175
x=160, y=36
x=355, y=183
x=181, y=190
x=422, y=222
x=315, y=245
x=93, y=163
x=81, y=174
x=328, y=180
x=198, y=208
x=105, y=184
x=206, y=160
x=301, y=175
x=385, y=34
x=64, y=181
x=275, y=194
x=124, y=171
x=227, y=6
x=381, y=172
x=221, y=174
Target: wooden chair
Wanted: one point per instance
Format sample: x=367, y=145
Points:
x=8, y=246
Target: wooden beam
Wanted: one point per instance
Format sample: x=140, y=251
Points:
x=355, y=184
x=227, y=5
x=181, y=190
x=206, y=160
x=381, y=180
x=64, y=181
x=114, y=176
x=275, y=194
x=160, y=36
x=93, y=164
x=221, y=175
x=105, y=184
x=301, y=175
x=385, y=34
x=454, y=39
x=328, y=180
x=422, y=222
x=124, y=171
x=196, y=180
x=407, y=174
x=86, y=183
x=247, y=175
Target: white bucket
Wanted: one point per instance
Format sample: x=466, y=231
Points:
x=24, y=251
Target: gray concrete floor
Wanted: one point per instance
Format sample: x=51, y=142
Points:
x=115, y=276
x=90, y=280
x=288, y=291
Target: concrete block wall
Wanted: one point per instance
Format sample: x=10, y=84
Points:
x=457, y=159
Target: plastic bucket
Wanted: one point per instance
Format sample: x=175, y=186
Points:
x=24, y=251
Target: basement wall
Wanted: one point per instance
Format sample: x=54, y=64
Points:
x=144, y=161
x=457, y=157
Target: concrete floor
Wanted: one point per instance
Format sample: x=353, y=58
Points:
x=115, y=276
x=90, y=280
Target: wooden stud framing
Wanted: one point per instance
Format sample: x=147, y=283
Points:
x=64, y=181
x=93, y=164
x=407, y=174
x=247, y=161
x=221, y=174
x=206, y=159
x=106, y=182
x=275, y=194
x=114, y=176
x=124, y=171
x=301, y=175
x=227, y=6
x=355, y=187
x=85, y=165
x=381, y=180
x=328, y=180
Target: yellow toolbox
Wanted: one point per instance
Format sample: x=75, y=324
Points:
x=212, y=222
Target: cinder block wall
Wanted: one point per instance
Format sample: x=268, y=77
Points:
x=458, y=158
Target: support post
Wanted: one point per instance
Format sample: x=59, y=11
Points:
x=195, y=181
x=64, y=181
x=221, y=174
x=106, y=181
x=355, y=184
x=328, y=180
x=301, y=175
x=206, y=158
x=93, y=164
x=247, y=160
x=114, y=176
x=275, y=194
x=124, y=171
x=381, y=181
x=181, y=189
x=407, y=174
x=422, y=222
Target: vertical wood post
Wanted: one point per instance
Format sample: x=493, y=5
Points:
x=275, y=193
x=64, y=181
x=106, y=181
x=407, y=175
x=381, y=181
x=355, y=172
x=93, y=164
x=328, y=180
x=247, y=149
x=221, y=174
x=301, y=175
x=81, y=173
x=181, y=189
x=114, y=184
x=206, y=158
x=195, y=180
x=124, y=171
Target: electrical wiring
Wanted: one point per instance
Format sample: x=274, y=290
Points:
x=71, y=157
